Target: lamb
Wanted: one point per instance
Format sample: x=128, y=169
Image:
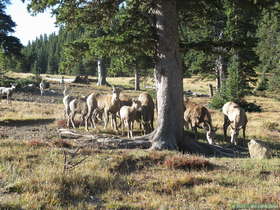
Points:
x=195, y=115
x=128, y=115
x=108, y=104
x=8, y=92
x=235, y=117
x=77, y=106
x=147, y=112
x=42, y=86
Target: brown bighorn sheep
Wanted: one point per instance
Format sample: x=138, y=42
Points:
x=66, y=102
x=77, y=106
x=108, y=104
x=92, y=105
x=235, y=117
x=195, y=115
x=147, y=112
x=128, y=115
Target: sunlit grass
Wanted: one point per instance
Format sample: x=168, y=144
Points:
x=33, y=174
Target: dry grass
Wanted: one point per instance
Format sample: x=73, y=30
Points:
x=32, y=172
x=32, y=177
x=19, y=110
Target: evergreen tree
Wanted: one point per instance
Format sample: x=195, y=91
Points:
x=9, y=45
x=268, y=45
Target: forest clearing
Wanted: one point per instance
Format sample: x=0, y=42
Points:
x=140, y=104
x=39, y=169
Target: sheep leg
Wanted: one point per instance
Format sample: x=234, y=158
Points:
x=244, y=132
x=89, y=118
x=122, y=126
x=234, y=135
x=106, y=118
x=129, y=132
x=94, y=117
x=152, y=123
x=225, y=126
x=112, y=122
x=86, y=123
x=114, y=119
x=244, y=137
x=82, y=120
x=72, y=117
x=68, y=121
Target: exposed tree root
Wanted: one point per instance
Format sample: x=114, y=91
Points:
x=189, y=145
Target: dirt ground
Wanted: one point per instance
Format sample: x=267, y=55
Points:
x=30, y=129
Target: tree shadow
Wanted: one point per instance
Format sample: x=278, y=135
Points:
x=28, y=122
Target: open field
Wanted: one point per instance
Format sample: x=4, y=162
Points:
x=33, y=161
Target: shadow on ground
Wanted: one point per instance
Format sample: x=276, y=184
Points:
x=28, y=122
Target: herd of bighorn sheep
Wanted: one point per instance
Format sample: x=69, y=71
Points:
x=95, y=105
x=117, y=105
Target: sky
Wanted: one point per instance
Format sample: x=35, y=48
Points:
x=29, y=27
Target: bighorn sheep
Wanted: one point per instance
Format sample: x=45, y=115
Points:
x=66, y=102
x=128, y=116
x=77, y=106
x=147, y=112
x=42, y=87
x=195, y=115
x=108, y=104
x=92, y=106
x=235, y=117
x=8, y=92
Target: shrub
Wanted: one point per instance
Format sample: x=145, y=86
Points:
x=217, y=101
x=187, y=163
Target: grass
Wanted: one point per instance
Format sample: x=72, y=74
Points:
x=32, y=174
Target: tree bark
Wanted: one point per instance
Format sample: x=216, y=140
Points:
x=102, y=73
x=169, y=132
x=137, y=79
x=220, y=72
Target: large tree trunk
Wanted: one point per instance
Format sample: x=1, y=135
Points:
x=137, y=79
x=102, y=73
x=169, y=132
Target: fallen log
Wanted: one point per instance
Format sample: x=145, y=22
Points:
x=189, y=145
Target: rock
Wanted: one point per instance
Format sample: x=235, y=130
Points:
x=258, y=150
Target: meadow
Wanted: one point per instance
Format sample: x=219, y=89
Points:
x=40, y=170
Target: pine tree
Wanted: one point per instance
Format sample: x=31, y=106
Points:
x=9, y=45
